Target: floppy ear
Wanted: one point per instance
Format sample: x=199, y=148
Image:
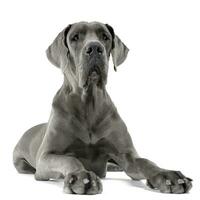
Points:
x=119, y=49
x=58, y=50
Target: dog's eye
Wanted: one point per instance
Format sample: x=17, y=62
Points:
x=75, y=37
x=105, y=37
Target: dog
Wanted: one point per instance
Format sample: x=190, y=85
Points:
x=85, y=136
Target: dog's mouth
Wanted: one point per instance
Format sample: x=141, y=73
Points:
x=94, y=73
x=94, y=76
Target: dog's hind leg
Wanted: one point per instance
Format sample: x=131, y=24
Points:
x=23, y=166
x=26, y=149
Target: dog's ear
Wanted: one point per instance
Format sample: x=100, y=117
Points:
x=119, y=49
x=58, y=50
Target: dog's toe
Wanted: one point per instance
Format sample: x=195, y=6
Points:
x=82, y=182
x=170, y=182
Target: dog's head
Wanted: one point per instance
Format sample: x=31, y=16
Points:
x=82, y=51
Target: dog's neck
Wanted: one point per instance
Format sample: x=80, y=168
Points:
x=83, y=104
x=92, y=96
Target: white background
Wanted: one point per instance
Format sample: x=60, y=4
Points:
x=156, y=90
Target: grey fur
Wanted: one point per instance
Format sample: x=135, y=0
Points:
x=85, y=131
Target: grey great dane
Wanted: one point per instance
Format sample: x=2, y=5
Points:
x=84, y=131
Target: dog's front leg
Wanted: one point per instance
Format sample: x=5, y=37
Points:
x=53, y=162
x=77, y=179
x=52, y=166
x=167, y=181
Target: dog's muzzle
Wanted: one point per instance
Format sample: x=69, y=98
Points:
x=94, y=55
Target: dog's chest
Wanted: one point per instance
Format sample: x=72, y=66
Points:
x=91, y=123
x=91, y=133
x=94, y=128
x=93, y=156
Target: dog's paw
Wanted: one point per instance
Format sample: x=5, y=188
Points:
x=82, y=182
x=170, y=182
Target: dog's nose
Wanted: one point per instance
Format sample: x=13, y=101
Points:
x=94, y=48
